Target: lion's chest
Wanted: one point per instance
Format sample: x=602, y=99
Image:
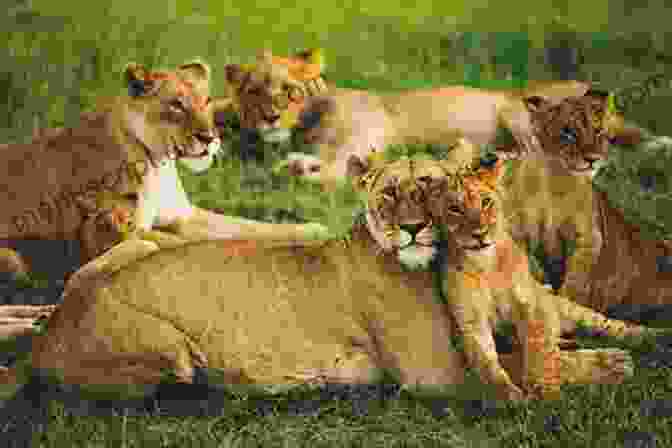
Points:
x=162, y=199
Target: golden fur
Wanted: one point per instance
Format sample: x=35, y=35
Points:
x=549, y=198
x=625, y=271
x=48, y=183
x=126, y=149
x=379, y=315
x=270, y=94
x=486, y=277
x=347, y=122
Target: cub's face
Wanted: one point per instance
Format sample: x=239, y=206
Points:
x=270, y=94
x=171, y=112
x=572, y=133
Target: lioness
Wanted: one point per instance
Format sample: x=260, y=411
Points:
x=485, y=274
x=350, y=121
x=129, y=326
x=128, y=146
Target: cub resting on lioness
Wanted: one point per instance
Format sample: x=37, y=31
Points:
x=343, y=122
x=127, y=147
x=379, y=315
x=485, y=274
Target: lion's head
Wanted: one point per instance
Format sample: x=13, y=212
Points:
x=573, y=132
x=269, y=95
x=171, y=113
x=406, y=200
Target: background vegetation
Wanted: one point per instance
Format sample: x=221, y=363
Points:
x=57, y=57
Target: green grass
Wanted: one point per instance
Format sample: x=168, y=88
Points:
x=58, y=61
x=587, y=416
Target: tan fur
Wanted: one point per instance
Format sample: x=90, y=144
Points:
x=625, y=270
x=127, y=327
x=49, y=184
x=142, y=151
x=281, y=334
x=484, y=286
x=353, y=121
x=270, y=94
x=549, y=198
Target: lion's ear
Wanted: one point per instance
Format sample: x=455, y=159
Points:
x=356, y=167
x=135, y=77
x=197, y=69
x=235, y=73
x=535, y=103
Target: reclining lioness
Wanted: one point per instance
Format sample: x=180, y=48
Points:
x=345, y=122
x=325, y=311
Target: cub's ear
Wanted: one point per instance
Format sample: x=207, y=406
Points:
x=197, y=69
x=535, y=103
x=235, y=73
x=135, y=77
x=356, y=167
x=313, y=56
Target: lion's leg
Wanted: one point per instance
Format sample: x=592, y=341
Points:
x=164, y=240
x=111, y=261
x=538, y=331
x=597, y=366
x=571, y=314
x=206, y=225
x=470, y=310
x=579, y=266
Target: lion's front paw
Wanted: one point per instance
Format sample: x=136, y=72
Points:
x=111, y=261
x=596, y=366
x=84, y=275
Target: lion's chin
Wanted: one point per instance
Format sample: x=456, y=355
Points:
x=416, y=257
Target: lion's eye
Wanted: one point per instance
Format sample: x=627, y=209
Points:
x=486, y=202
x=455, y=209
x=177, y=105
x=568, y=136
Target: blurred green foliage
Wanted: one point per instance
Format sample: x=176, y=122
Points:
x=638, y=181
x=58, y=57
